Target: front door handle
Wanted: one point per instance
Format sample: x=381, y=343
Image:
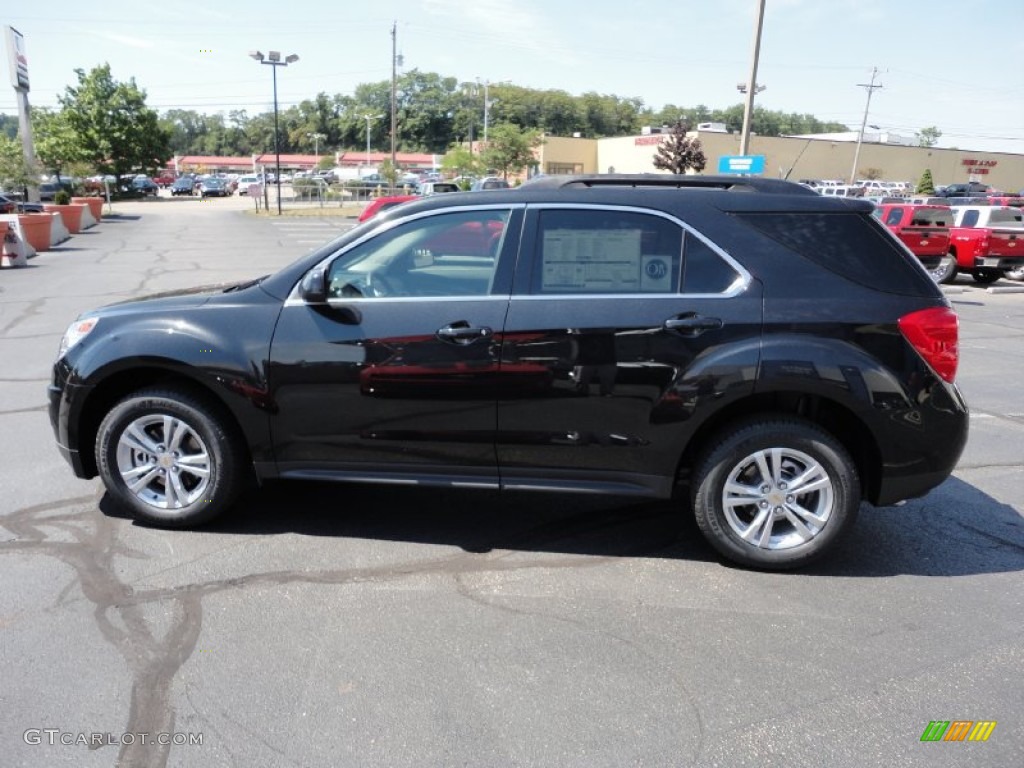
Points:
x=462, y=332
x=692, y=324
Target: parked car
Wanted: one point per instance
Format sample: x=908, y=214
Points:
x=48, y=191
x=438, y=187
x=969, y=189
x=988, y=241
x=490, y=182
x=767, y=356
x=245, y=182
x=384, y=203
x=146, y=186
x=165, y=179
x=7, y=205
x=182, y=186
x=840, y=190
x=924, y=229
x=213, y=187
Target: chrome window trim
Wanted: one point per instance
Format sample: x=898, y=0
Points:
x=737, y=287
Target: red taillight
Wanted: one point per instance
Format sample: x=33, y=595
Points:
x=934, y=333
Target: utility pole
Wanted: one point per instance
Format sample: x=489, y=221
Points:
x=752, y=87
x=394, y=96
x=860, y=136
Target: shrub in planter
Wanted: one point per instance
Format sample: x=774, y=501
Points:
x=61, y=197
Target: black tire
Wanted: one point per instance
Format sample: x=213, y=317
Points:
x=200, y=443
x=986, y=276
x=946, y=271
x=803, y=447
x=1015, y=273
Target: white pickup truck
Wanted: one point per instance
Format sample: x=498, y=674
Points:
x=988, y=241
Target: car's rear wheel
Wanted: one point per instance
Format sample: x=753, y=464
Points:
x=169, y=458
x=986, y=276
x=775, y=492
x=945, y=271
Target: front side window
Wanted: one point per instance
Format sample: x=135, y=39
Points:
x=606, y=251
x=449, y=254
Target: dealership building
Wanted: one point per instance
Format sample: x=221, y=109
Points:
x=822, y=156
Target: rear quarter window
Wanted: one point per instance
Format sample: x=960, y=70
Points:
x=852, y=245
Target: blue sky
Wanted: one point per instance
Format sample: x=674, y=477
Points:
x=954, y=64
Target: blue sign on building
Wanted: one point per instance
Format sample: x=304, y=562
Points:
x=749, y=164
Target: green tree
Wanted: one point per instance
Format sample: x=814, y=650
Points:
x=678, y=153
x=459, y=161
x=389, y=172
x=928, y=137
x=15, y=173
x=925, y=185
x=56, y=143
x=114, y=128
x=509, y=148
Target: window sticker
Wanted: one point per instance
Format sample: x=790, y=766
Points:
x=600, y=261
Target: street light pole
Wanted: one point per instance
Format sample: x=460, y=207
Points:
x=394, y=102
x=752, y=87
x=273, y=59
x=316, y=142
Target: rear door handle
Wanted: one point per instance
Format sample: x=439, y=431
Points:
x=461, y=332
x=692, y=324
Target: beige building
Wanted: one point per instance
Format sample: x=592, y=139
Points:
x=791, y=157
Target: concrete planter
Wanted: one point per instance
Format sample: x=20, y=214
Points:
x=72, y=215
x=36, y=229
x=95, y=205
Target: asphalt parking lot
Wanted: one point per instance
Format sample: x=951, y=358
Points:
x=341, y=625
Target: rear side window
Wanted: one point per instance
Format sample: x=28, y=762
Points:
x=894, y=217
x=1000, y=218
x=970, y=219
x=932, y=217
x=849, y=244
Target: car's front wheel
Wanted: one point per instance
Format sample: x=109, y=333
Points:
x=775, y=492
x=169, y=458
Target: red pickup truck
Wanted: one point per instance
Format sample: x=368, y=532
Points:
x=924, y=229
x=988, y=241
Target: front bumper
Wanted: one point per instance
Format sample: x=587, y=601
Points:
x=64, y=406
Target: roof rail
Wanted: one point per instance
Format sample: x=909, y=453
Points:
x=672, y=181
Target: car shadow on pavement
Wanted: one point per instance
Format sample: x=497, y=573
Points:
x=955, y=531
x=474, y=520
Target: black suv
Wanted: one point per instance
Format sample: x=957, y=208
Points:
x=768, y=356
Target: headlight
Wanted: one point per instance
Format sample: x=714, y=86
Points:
x=77, y=331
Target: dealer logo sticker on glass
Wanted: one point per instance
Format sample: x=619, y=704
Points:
x=656, y=274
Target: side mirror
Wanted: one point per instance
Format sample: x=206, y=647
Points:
x=313, y=287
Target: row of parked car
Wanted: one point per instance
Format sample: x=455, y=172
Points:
x=982, y=237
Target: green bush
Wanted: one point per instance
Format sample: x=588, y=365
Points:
x=61, y=197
